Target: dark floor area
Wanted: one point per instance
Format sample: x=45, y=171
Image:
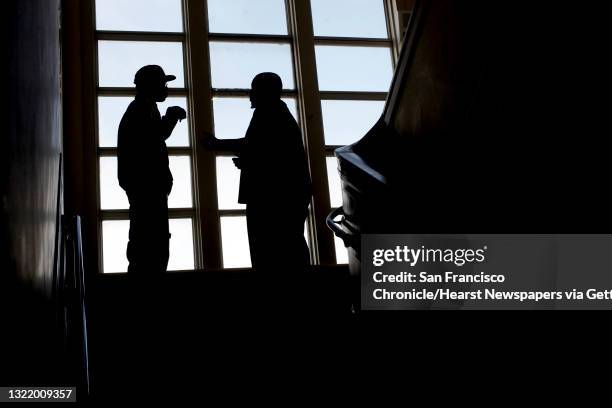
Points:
x=195, y=328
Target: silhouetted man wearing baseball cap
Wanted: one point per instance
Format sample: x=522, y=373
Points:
x=143, y=171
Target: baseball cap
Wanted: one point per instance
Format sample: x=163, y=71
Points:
x=150, y=73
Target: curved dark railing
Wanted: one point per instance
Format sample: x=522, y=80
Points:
x=379, y=131
x=337, y=227
x=71, y=302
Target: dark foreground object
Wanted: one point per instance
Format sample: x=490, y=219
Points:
x=156, y=340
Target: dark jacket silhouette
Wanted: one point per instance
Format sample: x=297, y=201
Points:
x=143, y=171
x=274, y=181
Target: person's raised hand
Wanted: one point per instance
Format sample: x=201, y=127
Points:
x=208, y=140
x=176, y=112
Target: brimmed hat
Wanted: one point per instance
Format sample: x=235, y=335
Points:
x=150, y=73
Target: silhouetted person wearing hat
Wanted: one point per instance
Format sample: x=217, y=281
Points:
x=274, y=181
x=143, y=171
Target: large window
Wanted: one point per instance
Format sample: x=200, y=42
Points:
x=215, y=48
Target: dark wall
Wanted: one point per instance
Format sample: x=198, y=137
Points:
x=29, y=160
x=501, y=116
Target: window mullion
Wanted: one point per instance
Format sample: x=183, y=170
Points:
x=198, y=77
x=351, y=96
x=393, y=29
x=249, y=38
x=306, y=79
x=79, y=153
x=139, y=36
x=125, y=91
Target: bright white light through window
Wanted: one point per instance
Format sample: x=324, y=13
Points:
x=181, y=245
x=118, y=61
x=112, y=196
x=233, y=115
x=114, y=245
x=247, y=16
x=346, y=122
x=235, y=242
x=341, y=251
x=349, y=18
x=228, y=180
x=180, y=196
x=335, y=188
x=115, y=236
x=112, y=108
x=139, y=15
x=234, y=65
x=344, y=68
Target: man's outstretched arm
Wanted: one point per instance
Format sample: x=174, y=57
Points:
x=235, y=146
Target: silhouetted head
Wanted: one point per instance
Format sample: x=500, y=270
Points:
x=265, y=90
x=151, y=82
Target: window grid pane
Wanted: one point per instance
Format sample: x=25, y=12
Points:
x=112, y=108
x=228, y=180
x=341, y=251
x=180, y=196
x=139, y=15
x=114, y=245
x=118, y=61
x=349, y=18
x=346, y=122
x=247, y=16
x=112, y=196
x=335, y=188
x=233, y=115
x=235, y=64
x=181, y=244
x=352, y=68
x=115, y=239
x=235, y=242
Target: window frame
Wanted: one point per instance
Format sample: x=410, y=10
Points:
x=82, y=189
x=390, y=42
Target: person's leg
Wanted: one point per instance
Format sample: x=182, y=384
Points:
x=276, y=240
x=293, y=250
x=157, y=259
x=148, y=253
x=148, y=246
x=259, y=230
x=161, y=236
x=136, y=248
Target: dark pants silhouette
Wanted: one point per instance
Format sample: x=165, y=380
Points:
x=148, y=246
x=276, y=239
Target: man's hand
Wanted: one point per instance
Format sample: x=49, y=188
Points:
x=209, y=140
x=176, y=113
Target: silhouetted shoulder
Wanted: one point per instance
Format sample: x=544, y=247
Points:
x=131, y=112
x=141, y=109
